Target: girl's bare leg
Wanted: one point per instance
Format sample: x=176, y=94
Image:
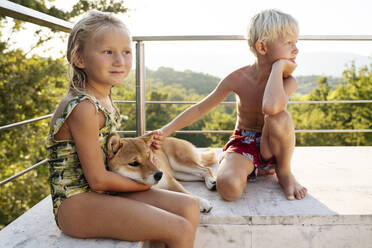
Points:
x=93, y=215
x=278, y=139
x=232, y=175
x=186, y=206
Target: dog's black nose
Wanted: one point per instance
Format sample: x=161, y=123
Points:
x=158, y=175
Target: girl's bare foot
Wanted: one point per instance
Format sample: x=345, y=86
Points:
x=292, y=189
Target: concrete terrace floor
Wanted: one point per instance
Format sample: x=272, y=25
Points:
x=337, y=212
x=338, y=179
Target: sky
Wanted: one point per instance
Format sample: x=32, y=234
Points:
x=230, y=17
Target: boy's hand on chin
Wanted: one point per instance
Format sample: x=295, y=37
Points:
x=286, y=66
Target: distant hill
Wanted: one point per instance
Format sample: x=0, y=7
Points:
x=202, y=83
x=310, y=67
x=307, y=83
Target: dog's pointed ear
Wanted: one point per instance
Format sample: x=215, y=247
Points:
x=147, y=138
x=113, y=145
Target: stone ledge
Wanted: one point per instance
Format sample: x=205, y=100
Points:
x=37, y=229
x=337, y=212
x=289, y=220
x=279, y=236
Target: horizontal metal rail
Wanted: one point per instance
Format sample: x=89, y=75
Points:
x=242, y=37
x=189, y=38
x=336, y=37
x=166, y=102
x=23, y=172
x=334, y=131
x=233, y=102
x=20, y=12
x=296, y=131
x=16, y=124
x=330, y=102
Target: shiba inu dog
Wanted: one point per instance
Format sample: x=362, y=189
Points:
x=177, y=159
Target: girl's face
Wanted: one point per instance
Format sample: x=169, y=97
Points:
x=107, y=56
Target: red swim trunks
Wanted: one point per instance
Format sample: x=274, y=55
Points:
x=247, y=143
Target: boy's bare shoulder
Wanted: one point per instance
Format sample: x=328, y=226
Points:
x=243, y=74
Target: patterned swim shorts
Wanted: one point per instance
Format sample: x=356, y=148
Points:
x=247, y=143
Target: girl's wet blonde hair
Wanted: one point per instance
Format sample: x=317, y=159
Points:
x=268, y=25
x=83, y=30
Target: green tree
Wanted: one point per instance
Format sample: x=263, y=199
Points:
x=29, y=88
x=356, y=86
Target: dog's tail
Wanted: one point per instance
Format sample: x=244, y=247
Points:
x=208, y=157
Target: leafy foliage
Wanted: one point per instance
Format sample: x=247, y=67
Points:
x=358, y=86
x=307, y=83
x=29, y=88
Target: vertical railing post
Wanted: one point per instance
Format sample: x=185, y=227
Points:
x=140, y=88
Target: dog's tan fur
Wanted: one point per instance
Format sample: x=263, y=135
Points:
x=177, y=159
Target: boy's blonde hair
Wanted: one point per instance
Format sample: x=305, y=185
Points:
x=83, y=30
x=268, y=25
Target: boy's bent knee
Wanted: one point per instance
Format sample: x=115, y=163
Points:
x=230, y=189
x=281, y=122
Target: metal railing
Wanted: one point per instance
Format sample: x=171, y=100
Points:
x=17, y=11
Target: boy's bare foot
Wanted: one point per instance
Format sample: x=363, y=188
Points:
x=292, y=189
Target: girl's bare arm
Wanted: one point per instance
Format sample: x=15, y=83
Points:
x=84, y=124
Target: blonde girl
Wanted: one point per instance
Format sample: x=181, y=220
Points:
x=100, y=57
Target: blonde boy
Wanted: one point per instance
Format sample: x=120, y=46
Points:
x=264, y=133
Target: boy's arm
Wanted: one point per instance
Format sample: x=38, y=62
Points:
x=279, y=89
x=198, y=110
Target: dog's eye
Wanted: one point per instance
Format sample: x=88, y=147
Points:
x=135, y=163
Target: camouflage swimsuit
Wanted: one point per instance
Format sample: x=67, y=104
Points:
x=66, y=176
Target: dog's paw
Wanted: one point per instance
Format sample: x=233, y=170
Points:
x=210, y=182
x=205, y=206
